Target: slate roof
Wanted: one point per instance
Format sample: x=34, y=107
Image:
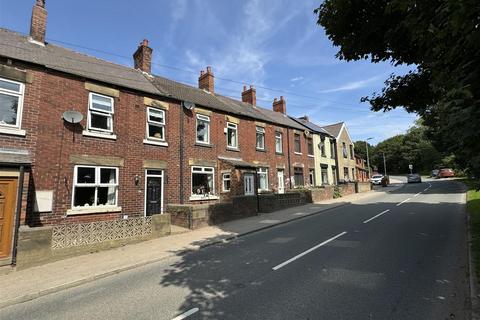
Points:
x=334, y=129
x=16, y=46
x=312, y=126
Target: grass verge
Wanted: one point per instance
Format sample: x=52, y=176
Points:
x=473, y=209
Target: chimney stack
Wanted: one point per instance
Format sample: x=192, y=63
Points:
x=305, y=118
x=38, y=24
x=143, y=57
x=250, y=95
x=280, y=105
x=206, y=80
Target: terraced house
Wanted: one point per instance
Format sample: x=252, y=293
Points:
x=345, y=151
x=84, y=140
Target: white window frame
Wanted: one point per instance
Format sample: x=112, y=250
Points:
x=202, y=171
x=159, y=124
x=206, y=119
x=96, y=185
x=232, y=126
x=92, y=110
x=260, y=131
x=262, y=171
x=20, y=95
x=311, y=176
x=225, y=179
x=278, y=138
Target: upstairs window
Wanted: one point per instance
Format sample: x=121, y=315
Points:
x=310, y=146
x=260, y=138
x=95, y=186
x=332, y=149
x=156, y=124
x=203, y=129
x=322, y=147
x=232, y=135
x=351, y=152
x=100, y=113
x=297, y=142
x=344, y=150
x=11, y=103
x=278, y=142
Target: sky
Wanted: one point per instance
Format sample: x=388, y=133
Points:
x=274, y=45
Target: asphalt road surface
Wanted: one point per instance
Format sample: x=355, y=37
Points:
x=397, y=256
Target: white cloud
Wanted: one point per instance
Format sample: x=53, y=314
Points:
x=354, y=85
x=296, y=79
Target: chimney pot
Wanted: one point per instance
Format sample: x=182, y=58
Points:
x=38, y=24
x=143, y=57
x=206, y=81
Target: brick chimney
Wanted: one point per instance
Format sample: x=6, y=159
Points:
x=249, y=95
x=305, y=118
x=38, y=24
x=142, y=58
x=206, y=81
x=280, y=105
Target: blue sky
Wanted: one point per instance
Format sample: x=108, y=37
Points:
x=273, y=44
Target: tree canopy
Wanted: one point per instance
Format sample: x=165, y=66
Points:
x=440, y=39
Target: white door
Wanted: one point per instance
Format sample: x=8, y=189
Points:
x=248, y=184
x=281, y=181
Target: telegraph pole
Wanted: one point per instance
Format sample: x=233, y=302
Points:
x=368, y=160
x=384, y=164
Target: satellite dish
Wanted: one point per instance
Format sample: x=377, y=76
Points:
x=72, y=116
x=188, y=105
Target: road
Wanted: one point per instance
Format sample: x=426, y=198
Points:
x=397, y=256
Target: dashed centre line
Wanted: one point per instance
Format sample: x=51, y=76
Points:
x=378, y=215
x=416, y=195
x=307, y=251
x=399, y=204
x=186, y=314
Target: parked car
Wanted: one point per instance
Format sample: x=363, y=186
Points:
x=376, y=179
x=434, y=173
x=445, y=173
x=414, y=178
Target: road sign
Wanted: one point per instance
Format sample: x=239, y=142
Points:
x=410, y=166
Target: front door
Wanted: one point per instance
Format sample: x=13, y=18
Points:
x=8, y=187
x=248, y=184
x=281, y=181
x=154, y=193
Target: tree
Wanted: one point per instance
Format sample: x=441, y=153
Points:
x=361, y=150
x=440, y=39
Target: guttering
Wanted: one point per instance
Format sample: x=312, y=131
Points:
x=289, y=161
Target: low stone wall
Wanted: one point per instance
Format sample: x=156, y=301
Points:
x=321, y=194
x=346, y=188
x=363, y=187
x=46, y=244
x=273, y=202
x=240, y=207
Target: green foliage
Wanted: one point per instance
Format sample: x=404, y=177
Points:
x=440, y=39
x=473, y=208
x=336, y=192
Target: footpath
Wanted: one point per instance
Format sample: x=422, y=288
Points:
x=28, y=284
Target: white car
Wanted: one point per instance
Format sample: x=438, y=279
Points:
x=376, y=179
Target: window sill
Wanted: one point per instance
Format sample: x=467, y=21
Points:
x=298, y=153
x=155, y=143
x=279, y=153
x=99, y=135
x=13, y=132
x=202, y=198
x=261, y=150
x=311, y=156
x=90, y=210
x=206, y=145
x=233, y=149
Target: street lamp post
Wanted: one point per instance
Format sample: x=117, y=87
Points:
x=384, y=164
x=368, y=159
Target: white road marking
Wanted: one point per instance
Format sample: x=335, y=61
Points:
x=378, y=215
x=186, y=314
x=426, y=189
x=398, y=204
x=307, y=251
x=417, y=194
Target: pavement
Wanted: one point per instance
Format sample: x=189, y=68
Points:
x=25, y=285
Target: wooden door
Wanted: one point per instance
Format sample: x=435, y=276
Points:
x=8, y=188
